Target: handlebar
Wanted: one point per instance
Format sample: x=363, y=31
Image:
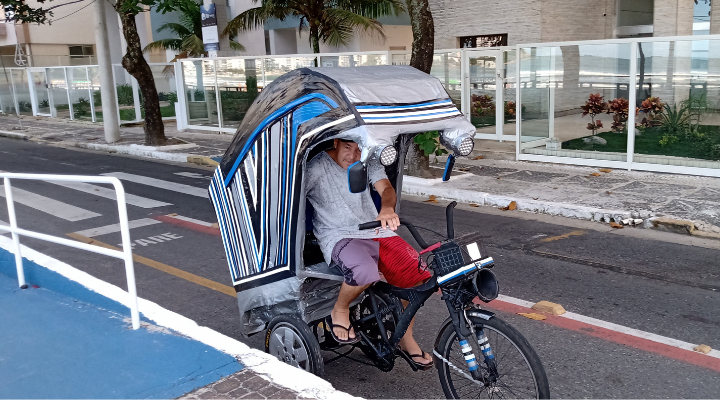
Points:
x=413, y=231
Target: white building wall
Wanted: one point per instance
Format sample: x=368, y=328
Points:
x=254, y=41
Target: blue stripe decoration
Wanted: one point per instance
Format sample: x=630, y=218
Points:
x=397, y=107
x=455, y=111
x=270, y=119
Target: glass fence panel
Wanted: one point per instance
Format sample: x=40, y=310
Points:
x=80, y=88
x=58, y=89
x=481, y=74
x=124, y=92
x=7, y=100
x=447, y=68
x=678, y=94
x=353, y=60
x=276, y=66
x=400, y=59
x=574, y=101
x=22, y=91
x=94, y=82
x=238, y=88
x=199, y=81
x=509, y=91
x=164, y=76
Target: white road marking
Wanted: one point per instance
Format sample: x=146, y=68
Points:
x=193, y=175
x=161, y=184
x=165, y=237
x=3, y=223
x=50, y=206
x=615, y=327
x=193, y=220
x=104, y=230
x=110, y=194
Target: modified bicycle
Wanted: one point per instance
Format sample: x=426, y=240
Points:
x=283, y=284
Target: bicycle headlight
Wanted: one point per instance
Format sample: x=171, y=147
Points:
x=388, y=155
x=466, y=146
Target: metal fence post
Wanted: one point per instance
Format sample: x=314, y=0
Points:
x=632, y=99
x=127, y=252
x=15, y=237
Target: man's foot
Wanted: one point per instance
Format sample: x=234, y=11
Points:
x=340, y=326
x=416, y=354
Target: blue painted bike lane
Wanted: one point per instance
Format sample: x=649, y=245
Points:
x=58, y=339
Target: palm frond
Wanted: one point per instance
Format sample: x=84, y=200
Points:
x=164, y=44
x=175, y=28
x=250, y=19
x=339, y=25
x=236, y=46
x=193, y=45
x=371, y=8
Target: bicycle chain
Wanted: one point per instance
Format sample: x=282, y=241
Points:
x=457, y=369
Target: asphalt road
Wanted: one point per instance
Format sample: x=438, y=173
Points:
x=661, y=283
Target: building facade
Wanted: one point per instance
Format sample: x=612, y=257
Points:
x=478, y=23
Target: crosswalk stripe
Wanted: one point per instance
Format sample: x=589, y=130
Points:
x=159, y=183
x=193, y=220
x=3, y=223
x=110, y=194
x=53, y=207
x=104, y=230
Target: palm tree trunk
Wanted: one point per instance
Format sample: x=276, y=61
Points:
x=423, y=29
x=135, y=64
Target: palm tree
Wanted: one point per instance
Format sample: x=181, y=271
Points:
x=189, y=40
x=330, y=21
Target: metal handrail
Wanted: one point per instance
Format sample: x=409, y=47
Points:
x=125, y=254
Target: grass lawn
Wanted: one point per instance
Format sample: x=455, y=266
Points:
x=647, y=143
x=129, y=114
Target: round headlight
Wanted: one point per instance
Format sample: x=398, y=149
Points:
x=388, y=155
x=466, y=146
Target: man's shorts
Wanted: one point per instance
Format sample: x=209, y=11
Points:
x=362, y=260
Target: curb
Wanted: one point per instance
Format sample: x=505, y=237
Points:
x=14, y=135
x=261, y=363
x=422, y=187
x=202, y=160
x=159, y=155
x=425, y=187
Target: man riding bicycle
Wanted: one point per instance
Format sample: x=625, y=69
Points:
x=360, y=255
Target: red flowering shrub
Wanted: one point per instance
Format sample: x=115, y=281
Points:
x=619, y=107
x=593, y=106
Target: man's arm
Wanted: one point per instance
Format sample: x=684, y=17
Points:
x=387, y=216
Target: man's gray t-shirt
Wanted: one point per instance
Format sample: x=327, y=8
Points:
x=337, y=211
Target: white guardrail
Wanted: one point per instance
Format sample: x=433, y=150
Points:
x=125, y=254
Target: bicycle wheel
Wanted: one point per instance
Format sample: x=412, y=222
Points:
x=520, y=372
x=292, y=342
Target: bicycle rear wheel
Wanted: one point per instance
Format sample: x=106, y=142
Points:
x=520, y=373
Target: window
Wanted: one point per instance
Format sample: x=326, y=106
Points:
x=701, y=17
x=496, y=40
x=81, y=51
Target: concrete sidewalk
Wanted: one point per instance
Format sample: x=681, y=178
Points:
x=68, y=335
x=679, y=203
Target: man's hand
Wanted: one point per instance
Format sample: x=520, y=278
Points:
x=387, y=216
x=388, y=219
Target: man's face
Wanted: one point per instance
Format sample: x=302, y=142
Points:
x=348, y=153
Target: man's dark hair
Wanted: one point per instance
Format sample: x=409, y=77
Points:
x=347, y=140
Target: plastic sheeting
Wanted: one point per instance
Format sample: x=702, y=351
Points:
x=308, y=299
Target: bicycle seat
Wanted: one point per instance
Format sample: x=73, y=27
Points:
x=322, y=270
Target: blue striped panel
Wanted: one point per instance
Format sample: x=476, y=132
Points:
x=400, y=107
x=413, y=115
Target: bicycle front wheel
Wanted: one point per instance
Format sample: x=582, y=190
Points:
x=520, y=374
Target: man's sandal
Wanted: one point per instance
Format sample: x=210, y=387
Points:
x=329, y=323
x=410, y=359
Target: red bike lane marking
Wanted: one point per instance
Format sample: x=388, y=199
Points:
x=189, y=225
x=676, y=353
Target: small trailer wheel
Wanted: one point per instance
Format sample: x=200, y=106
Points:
x=292, y=342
